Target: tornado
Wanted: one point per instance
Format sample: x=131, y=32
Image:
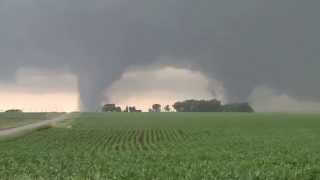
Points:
x=242, y=43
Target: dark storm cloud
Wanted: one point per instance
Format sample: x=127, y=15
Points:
x=243, y=43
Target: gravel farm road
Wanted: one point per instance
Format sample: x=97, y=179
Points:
x=30, y=127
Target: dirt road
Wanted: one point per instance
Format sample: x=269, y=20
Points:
x=31, y=127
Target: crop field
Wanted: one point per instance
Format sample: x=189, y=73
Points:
x=11, y=120
x=168, y=146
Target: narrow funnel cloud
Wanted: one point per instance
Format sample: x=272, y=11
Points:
x=241, y=43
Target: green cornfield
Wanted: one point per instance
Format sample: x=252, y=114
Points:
x=163, y=146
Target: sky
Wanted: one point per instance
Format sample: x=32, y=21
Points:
x=40, y=90
x=77, y=54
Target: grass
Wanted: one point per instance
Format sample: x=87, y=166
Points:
x=169, y=146
x=12, y=120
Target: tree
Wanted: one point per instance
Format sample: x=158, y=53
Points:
x=179, y=107
x=198, y=106
x=111, y=108
x=118, y=109
x=127, y=109
x=132, y=109
x=237, y=107
x=156, y=108
x=108, y=107
x=14, y=111
x=211, y=106
x=167, y=108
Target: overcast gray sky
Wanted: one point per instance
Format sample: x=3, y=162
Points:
x=244, y=44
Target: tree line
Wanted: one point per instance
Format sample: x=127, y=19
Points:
x=192, y=105
x=211, y=106
x=114, y=108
